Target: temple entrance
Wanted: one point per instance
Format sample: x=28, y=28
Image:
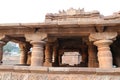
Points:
x=73, y=52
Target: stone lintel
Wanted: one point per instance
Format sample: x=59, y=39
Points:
x=102, y=36
x=35, y=36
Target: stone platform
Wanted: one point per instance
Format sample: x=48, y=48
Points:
x=57, y=73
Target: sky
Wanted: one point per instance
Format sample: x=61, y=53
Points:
x=33, y=11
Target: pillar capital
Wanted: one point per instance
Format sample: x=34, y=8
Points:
x=102, y=35
x=101, y=43
x=35, y=37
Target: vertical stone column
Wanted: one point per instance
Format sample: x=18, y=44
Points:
x=103, y=41
x=36, y=39
x=60, y=54
x=24, y=49
x=29, y=58
x=37, y=53
x=1, y=50
x=92, y=55
x=104, y=53
x=23, y=54
x=48, y=54
x=55, y=56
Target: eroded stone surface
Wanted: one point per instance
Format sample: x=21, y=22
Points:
x=4, y=75
x=19, y=76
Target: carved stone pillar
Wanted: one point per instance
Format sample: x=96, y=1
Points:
x=92, y=55
x=103, y=41
x=48, y=54
x=23, y=54
x=104, y=53
x=24, y=49
x=1, y=50
x=60, y=54
x=37, y=53
x=29, y=58
x=38, y=47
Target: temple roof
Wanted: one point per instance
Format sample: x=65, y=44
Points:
x=71, y=17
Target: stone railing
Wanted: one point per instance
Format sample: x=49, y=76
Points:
x=57, y=73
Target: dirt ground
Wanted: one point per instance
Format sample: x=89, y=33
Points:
x=11, y=60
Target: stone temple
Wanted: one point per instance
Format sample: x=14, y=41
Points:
x=69, y=45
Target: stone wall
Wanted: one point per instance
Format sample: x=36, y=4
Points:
x=57, y=73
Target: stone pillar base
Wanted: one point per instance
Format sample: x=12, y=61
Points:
x=47, y=64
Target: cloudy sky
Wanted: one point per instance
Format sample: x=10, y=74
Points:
x=25, y=11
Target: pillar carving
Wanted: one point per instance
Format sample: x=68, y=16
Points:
x=48, y=54
x=1, y=50
x=36, y=39
x=103, y=41
x=92, y=55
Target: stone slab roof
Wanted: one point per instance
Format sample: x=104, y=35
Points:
x=71, y=17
